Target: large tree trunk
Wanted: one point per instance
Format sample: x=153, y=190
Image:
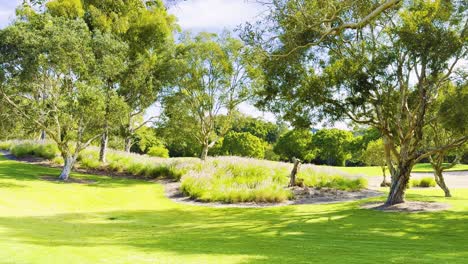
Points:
x=69, y=161
x=399, y=184
x=103, y=150
x=204, y=153
x=439, y=178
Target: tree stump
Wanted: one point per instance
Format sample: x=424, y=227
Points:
x=295, y=170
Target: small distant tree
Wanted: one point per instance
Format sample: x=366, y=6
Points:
x=244, y=144
x=214, y=80
x=374, y=155
x=332, y=146
x=295, y=144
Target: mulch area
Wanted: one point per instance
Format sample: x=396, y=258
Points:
x=408, y=207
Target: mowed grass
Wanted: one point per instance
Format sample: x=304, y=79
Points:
x=377, y=171
x=131, y=221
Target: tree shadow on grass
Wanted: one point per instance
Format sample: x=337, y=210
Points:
x=336, y=234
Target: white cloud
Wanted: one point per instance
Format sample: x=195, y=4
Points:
x=214, y=15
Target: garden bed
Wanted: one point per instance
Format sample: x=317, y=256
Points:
x=301, y=195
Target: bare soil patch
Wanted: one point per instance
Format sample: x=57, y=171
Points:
x=409, y=207
x=303, y=195
x=70, y=180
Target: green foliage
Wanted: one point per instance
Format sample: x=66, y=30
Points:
x=264, y=130
x=423, y=182
x=144, y=139
x=212, y=77
x=158, y=151
x=332, y=146
x=295, y=143
x=374, y=155
x=270, y=153
x=66, y=8
x=5, y=145
x=243, y=144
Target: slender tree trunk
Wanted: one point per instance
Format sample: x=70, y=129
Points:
x=104, y=141
x=399, y=184
x=295, y=170
x=204, y=153
x=69, y=161
x=384, y=182
x=128, y=144
x=43, y=135
x=105, y=134
x=439, y=178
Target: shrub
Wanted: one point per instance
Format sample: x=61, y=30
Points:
x=295, y=143
x=423, y=183
x=233, y=180
x=318, y=177
x=158, y=151
x=5, y=145
x=244, y=144
x=31, y=148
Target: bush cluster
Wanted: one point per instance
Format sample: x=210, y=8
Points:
x=424, y=182
x=44, y=150
x=234, y=179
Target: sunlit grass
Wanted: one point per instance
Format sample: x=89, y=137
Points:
x=131, y=221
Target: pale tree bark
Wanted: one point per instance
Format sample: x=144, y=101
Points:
x=437, y=163
x=439, y=178
x=69, y=161
x=104, y=143
x=204, y=152
x=128, y=143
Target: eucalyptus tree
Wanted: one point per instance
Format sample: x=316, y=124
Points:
x=374, y=155
x=447, y=119
x=214, y=80
x=51, y=57
x=140, y=33
x=374, y=63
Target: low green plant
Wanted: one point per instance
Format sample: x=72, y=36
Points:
x=423, y=182
x=318, y=177
x=158, y=151
x=233, y=180
x=5, y=145
x=32, y=148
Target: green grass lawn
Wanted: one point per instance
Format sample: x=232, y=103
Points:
x=130, y=221
x=376, y=171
